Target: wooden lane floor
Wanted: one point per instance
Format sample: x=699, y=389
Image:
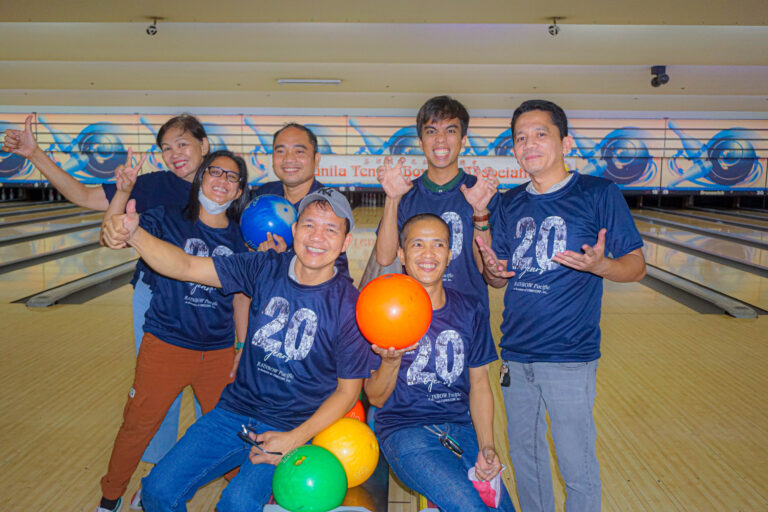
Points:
x=741, y=285
x=19, y=206
x=42, y=216
x=753, y=211
x=763, y=224
x=681, y=406
x=734, y=250
x=758, y=236
x=43, y=226
x=31, y=248
x=37, y=278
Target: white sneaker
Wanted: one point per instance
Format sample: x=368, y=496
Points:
x=116, y=509
x=136, y=501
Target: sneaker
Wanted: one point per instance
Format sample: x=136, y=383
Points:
x=116, y=509
x=136, y=501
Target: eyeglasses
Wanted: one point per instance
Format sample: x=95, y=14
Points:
x=446, y=440
x=217, y=172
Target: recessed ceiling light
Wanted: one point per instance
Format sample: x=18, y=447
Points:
x=308, y=81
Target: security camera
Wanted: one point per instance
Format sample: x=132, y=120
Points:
x=152, y=28
x=553, y=29
x=660, y=76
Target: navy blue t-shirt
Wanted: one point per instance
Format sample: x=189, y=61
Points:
x=191, y=315
x=162, y=188
x=433, y=381
x=301, y=339
x=153, y=189
x=462, y=273
x=276, y=188
x=552, y=312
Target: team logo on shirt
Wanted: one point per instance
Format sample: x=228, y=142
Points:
x=198, y=247
x=448, y=340
x=291, y=347
x=526, y=230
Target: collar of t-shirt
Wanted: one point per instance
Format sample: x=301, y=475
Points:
x=292, y=270
x=554, y=188
x=434, y=187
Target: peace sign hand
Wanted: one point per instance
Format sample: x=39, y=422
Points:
x=126, y=175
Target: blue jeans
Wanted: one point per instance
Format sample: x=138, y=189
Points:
x=209, y=449
x=168, y=432
x=423, y=464
x=567, y=392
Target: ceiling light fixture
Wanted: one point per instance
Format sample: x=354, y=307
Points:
x=308, y=81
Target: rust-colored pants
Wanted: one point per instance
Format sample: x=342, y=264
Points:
x=162, y=371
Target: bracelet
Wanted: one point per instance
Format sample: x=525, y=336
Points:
x=482, y=228
x=239, y=345
x=481, y=218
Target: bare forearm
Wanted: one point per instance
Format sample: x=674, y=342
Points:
x=241, y=304
x=481, y=406
x=87, y=197
x=332, y=409
x=387, y=238
x=380, y=385
x=626, y=269
x=170, y=261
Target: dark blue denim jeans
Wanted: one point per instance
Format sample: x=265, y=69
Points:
x=423, y=464
x=209, y=449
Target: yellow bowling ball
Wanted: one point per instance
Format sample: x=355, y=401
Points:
x=355, y=445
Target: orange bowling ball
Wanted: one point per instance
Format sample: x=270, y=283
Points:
x=357, y=412
x=355, y=445
x=393, y=310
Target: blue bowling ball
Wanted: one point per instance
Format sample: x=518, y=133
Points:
x=267, y=214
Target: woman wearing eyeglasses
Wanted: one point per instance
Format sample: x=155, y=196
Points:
x=189, y=329
x=183, y=143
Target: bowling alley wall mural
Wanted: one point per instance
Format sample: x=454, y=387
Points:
x=639, y=155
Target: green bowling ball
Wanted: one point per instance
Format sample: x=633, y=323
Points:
x=309, y=479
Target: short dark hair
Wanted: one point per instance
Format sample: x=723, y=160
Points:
x=192, y=210
x=325, y=205
x=417, y=218
x=439, y=108
x=309, y=132
x=557, y=114
x=186, y=123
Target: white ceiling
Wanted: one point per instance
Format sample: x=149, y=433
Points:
x=389, y=55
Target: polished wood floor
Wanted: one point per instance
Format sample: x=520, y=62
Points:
x=682, y=408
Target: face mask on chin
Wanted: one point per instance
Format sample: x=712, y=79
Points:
x=210, y=206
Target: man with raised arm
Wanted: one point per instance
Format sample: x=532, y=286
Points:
x=460, y=199
x=302, y=364
x=554, y=240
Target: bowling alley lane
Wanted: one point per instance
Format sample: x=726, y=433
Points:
x=715, y=246
x=744, y=286
x=41, y=215
x=43, y=245
x=724, y=217
x=739, y=232
x=37, y=278
x=23, y=206
x=754, y=212
x=43, y=226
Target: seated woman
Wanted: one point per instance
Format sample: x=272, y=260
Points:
x=430, y=398
x=189, y=328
